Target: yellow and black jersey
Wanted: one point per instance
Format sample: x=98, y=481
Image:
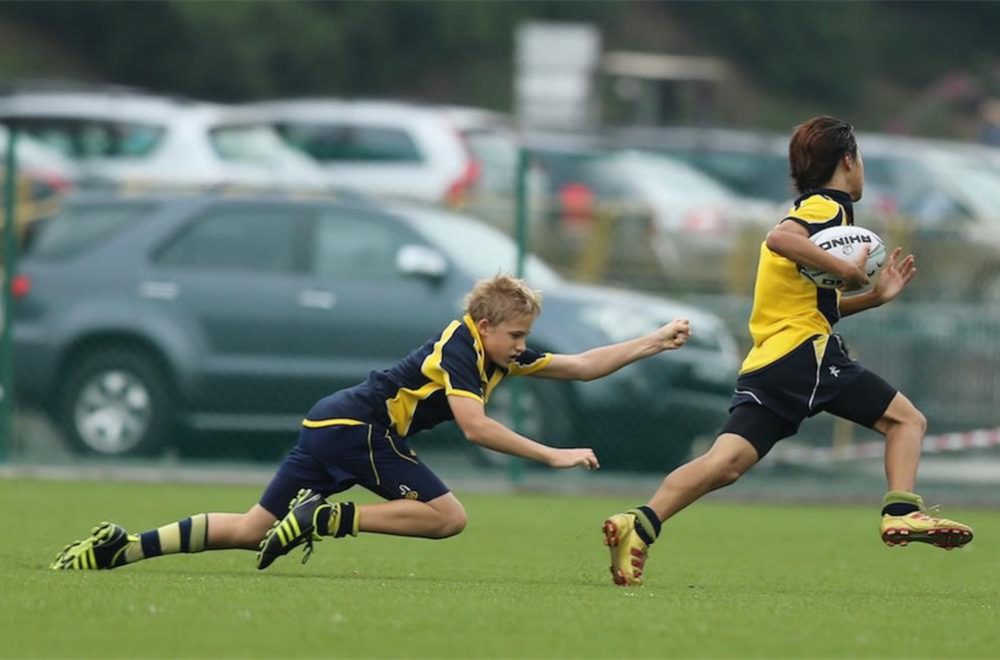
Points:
x=788, y=309
x=413, y=395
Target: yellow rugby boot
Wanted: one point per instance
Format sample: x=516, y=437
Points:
x=921, y=526
x=103, y=549
x=628, y=550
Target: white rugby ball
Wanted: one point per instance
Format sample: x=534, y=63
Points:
x=844, y=242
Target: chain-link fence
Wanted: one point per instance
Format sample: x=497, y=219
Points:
x=205, y=326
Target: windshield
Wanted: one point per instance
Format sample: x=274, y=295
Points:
x=82, y=139
x=667, y=173
x=479, y=249
x=257, y=144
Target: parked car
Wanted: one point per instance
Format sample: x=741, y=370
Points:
x=454, y=156
x=939, y=199
x=235, y=314
x=125, y=139
x=694, y=224
x=752, y=164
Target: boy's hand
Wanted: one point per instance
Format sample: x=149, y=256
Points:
x=674, y=334
x=895, y=275
x=854, y=273
x=568, y=458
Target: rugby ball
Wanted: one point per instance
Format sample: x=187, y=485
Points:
x=844, y=242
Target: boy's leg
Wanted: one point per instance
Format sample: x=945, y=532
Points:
x=419, y=503
x=871, y=402
x=628, y=535
x=747, y=436
x=111, y=546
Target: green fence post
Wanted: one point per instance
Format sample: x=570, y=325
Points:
x=9, y=268
x=516, y=465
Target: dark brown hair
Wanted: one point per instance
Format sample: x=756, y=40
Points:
x=816, y=147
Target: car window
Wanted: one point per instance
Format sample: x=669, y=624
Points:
x=752, y=174
x=347, y=246
x=81, y=139
x=249, y=143
x=339, y=142
x=244, y=238
x=77, y=228
x=479, y=249
x=667, y=173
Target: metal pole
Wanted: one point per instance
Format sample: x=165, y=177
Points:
x=516, y=413
x=9, y=268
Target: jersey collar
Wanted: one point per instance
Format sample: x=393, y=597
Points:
x=839, y=196
x=477, y=341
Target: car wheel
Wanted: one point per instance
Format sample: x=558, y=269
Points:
x=115, y=403
x=545, y=417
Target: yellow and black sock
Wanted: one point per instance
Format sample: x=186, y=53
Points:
x=188, y=535
x=901, y=503
x=337, y=520
x=647, y=524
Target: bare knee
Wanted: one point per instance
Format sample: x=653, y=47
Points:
x=253, y=525
x=725, y=468
x=451, y=522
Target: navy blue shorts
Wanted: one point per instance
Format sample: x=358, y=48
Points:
x=331, y=459
x=818, y=376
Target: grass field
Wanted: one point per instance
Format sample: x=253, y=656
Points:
x=528, y=578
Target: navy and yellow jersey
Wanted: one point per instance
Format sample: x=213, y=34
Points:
x=788, y=309
x=413, y=395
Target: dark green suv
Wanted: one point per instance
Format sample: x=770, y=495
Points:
x=139, y=318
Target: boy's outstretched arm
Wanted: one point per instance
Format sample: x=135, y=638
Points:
x=470, y=415
x=599, y=362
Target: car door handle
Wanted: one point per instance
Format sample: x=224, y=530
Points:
x=159, y=290
x=317, y=299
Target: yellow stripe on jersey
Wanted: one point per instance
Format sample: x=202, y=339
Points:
x=403, y=406
x=337, y=421
x=787, y=308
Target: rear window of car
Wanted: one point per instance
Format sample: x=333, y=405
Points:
x=76, y=229
x=81, y=139
x=348, y=143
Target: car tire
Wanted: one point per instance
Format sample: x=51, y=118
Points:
x=116, y=402
x=545, y=418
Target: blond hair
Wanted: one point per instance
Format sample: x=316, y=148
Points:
x=502, y=298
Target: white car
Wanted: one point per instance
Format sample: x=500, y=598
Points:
x=39, y=163
x=457, y=157
x=138, y=141
x=698, y=224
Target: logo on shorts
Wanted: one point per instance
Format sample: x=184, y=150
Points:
x=407, y=492
x=835, y=372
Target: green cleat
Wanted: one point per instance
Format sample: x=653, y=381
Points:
x=296, y=528
x=103, y=549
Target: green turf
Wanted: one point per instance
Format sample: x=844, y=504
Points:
x=528, y=578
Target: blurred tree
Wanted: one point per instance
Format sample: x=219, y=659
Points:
x=855, y=58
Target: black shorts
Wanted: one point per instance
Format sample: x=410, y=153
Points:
x=332, y=459
x=770, y=403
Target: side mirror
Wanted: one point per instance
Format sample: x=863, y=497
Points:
x=421, y=261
